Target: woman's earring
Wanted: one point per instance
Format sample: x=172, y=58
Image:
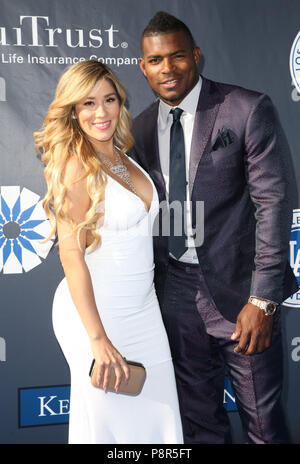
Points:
x=74, y=116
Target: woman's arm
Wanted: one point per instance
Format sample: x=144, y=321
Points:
x=78, y=277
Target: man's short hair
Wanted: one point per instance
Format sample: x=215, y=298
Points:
x=164, y=23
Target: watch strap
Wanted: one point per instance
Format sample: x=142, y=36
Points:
x=269, y=307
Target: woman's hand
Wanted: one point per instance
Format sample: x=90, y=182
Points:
x=107, y=358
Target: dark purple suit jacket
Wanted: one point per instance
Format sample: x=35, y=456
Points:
x=248, y=189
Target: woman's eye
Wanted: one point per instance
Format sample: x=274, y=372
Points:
x=88, y=103
x=110, y=100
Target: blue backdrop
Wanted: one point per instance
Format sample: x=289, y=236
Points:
x=252, y=43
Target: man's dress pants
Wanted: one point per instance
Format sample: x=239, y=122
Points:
x=203, y=354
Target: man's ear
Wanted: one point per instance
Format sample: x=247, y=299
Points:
x=142, y=66
x=197, y=55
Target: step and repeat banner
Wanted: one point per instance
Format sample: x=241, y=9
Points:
x=252, y=43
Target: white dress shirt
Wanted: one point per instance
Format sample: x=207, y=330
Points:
x=164, y=122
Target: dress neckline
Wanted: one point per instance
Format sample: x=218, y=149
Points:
x=132, y=193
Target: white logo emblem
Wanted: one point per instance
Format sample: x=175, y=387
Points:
x=23, y=223
x=2, y=89
x=295, y=62
x=2, y=349
x=294, y=300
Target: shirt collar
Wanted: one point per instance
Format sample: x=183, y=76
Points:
x=188, y=104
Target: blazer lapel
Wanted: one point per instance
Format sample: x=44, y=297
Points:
x=152, y=152
x=207, y=110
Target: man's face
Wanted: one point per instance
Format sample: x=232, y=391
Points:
x=170, y=65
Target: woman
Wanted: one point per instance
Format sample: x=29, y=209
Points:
x=101, y=204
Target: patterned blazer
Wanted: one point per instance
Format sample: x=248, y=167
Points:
x=240, y=167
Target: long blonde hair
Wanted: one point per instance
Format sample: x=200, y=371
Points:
x=61, y=137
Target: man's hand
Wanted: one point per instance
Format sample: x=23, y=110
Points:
x=253, y=329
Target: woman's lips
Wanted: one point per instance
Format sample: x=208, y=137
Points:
x=102, y=125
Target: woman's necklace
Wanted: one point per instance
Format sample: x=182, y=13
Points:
x=119, y=169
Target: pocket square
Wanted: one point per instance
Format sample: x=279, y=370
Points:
x=223, y=139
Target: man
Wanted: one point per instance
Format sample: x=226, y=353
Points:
x=223, y=149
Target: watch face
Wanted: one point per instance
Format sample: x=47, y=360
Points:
x=270, y=308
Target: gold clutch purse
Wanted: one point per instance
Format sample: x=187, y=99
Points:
x=135, y=383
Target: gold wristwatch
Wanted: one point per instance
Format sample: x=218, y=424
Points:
x=268, y=307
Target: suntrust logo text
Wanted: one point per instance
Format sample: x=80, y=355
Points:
x=41, y=35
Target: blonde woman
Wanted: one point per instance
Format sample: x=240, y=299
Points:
x=101, y=203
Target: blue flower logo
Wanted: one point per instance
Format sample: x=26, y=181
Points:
x=23, y=223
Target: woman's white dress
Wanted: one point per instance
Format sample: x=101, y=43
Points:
x=122, y=274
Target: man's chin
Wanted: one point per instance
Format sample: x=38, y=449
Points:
x=172, y=99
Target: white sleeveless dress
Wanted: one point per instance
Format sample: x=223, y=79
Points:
x=122, y=274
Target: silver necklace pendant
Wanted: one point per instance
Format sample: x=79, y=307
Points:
x=119, y=169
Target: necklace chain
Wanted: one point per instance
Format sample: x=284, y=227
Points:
x=119, y=169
